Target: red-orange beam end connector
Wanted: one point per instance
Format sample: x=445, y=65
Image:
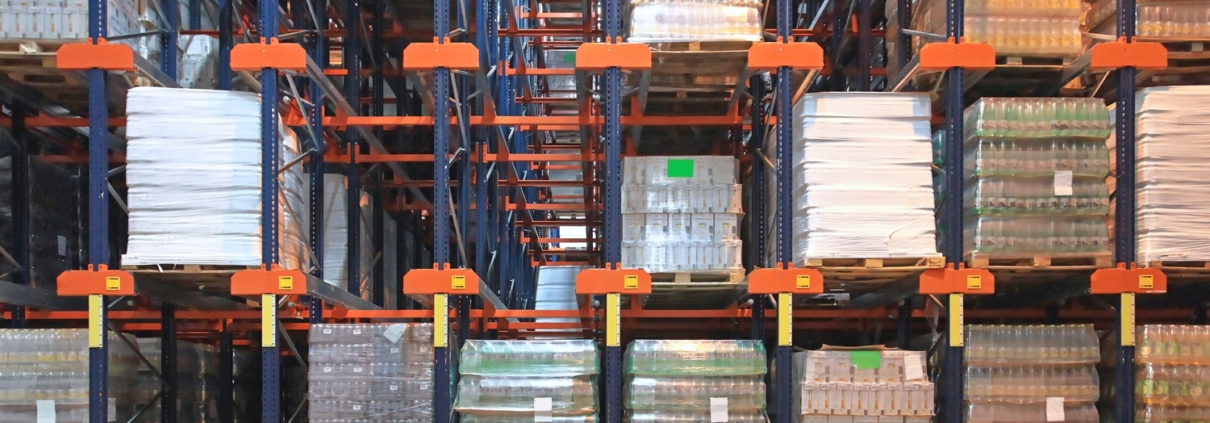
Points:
x=101, y=281
x=785, y=279
x=601, y=56
x=1120, y=54
x=798, y=56
x=275, y=55
x=429, y=56
x=275, y=281
x=950, y=54
x=613, y=280
x=433, y=281
x=102, y=55
x=1128, y=280
x=962, y=280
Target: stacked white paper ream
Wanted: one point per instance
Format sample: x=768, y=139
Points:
x=336, y=235
x=193, y=172
x=556, y=291
x=1171, y=178
x=862, y=179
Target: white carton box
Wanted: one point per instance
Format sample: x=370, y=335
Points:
x=655, y=227
x=726, y=227
x=680, y=227
x=632, y=226
x=703, y=224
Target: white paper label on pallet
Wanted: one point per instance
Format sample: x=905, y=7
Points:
x=357, y=370
x=327, y=331
x=1063, y=183
x=327, y=369
x=46, y=411
x=113, y=410
x=1054, y=409
x=912, y=368
x=62, y=246
x=718, y=410
x=394, y=332
x=543, y=409
x=358, y=331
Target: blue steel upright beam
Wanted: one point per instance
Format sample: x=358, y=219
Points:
x=442, y=384
x=756, y=210
x=270, y=145
x=482, y=179
x=168, y=55
x=1125, y=218
x=225, y=42
x=951, y=370
x=612, y=225
x=21, y=206
x=318, y=51
x=352, y=88
x=784, y=357
x=98, y=216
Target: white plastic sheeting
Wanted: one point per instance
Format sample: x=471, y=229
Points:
x=862, y=182
x=1171, y=178
x=336, y=236
x=194, y=180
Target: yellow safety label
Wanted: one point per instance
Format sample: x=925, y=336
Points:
x=441, y=320
x=785, y=319
x=96, y=327
x=113, y=283
x=630, y=282
x=285, y=283
x=268, y=320
x=613, y=320
x=458, y=282
x=974, y=282
x=802, y=282
x=1126, y=326
x=1146, y=281
x=955, y=320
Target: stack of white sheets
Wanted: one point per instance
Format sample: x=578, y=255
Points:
x=336, y=236
x=194, y=181
x=1171, y=178
x=862, y=184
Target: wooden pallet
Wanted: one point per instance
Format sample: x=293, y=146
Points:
x=188, y=276
x=1186, y=271
x=1042, y=261
x=846, y=273
x=1011, y=60
x=694, y=77
x=695, y=277
x=694, y=290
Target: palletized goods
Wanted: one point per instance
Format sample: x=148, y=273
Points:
x=695, y=381
x=371, y=372
x=1031, y=373
x=508, y=380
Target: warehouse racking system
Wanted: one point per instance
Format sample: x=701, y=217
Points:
x=505, y=139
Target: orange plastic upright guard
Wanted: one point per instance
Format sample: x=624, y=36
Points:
x=1121, y=54
x=970, y=56
x=275, y=55
x=273, y=281
x=1123, y=280
x=102, y=55
x=429, y=56
x=770, y=56
x=600, y=56
x=102, y=281
x=785, y=279
x=948, y=280
x=612, y=280
x=448, y=281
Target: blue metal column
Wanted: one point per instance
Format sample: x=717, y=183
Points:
x=904, y=43
x=1125, y=218
x=612, y=228
x=443, y=386
x=226, y=376
x=21, y=206
x=784, y=358
x=317, y=49
x=904, y=325
x=482, y=179
x=225, y=42
x=270, y=145
x=98, y=217
x=952, y=365
x=168, y=55
x=352, y=88
x=756, y=210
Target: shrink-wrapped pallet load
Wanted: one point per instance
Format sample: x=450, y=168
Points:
x=1019, y=28
x=193, y=174
x=44, y=376
x=506, y=381
x=1017, y=373
x=55, y=231
x=675, y=381
x=1172, y=373
x=336, y=236
x=374, y=373
x=862, y=184
x=854, y=383
x=695, y=20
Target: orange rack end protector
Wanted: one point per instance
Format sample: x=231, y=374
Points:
x=101, y=281
x=770, y=56
x=1120, y=54
x=275, y=55
x=276, y=281
x=943, y=56
x=448, y=281
x=429, y=56
x=1128, y=280
x=785, y=280
x=613, y=280
x=601, y=56
x=102, y=55
x=962, y=280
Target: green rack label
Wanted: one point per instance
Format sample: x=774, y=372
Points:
x=680, y=168
x=866, y=360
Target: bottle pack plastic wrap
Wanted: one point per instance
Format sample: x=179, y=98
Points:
x=336, y=235
x=1028, y=413
x=676, y=381
x=1030, y=28
x=44, y=375
x=371, y=372
x=55, y=220
x=681, y=214
x=197, y=376
x=1034, y=170
x=1014, y=372
x=862, y=185
x=695, y=20
x=855, y=382
x=519, y=379
x=1171, y=175
x=1157, y=18
x=194, y=181
x=556, y=290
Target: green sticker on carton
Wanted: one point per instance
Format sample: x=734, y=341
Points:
x=569, y=58
x=680, y=168
x=866, y=360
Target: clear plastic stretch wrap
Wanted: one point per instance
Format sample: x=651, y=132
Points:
x=336, y=235
x=197, y=376
x=1157, y=18
x=695, y=20
x=371, y=372
x=44, y=376
x=862, y=185
x=692, y=381
x=1171, y=177
x=194, y=176
x=503, y=380
x=55, y=239
x=681, y=214
x=862, y=382
x=1017, y=373
x=1030, y=28
x=1172, y=380
x=1035, y=170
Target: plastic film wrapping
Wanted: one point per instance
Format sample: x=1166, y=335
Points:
x=529, y=358
x=507, y=379
x=994, y=413
x=380, y=371
x=1032, y=28
x=336, y=235
x=501, y=394
x=648, y=357
x=692, y=416
x=1156, y=18
x=695, y=20
x=742, y=392
x=52, y=365
x=858, y=382
x=194, y=173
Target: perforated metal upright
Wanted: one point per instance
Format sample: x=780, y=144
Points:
x=611, y=98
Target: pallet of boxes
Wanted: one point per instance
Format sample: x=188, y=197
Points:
x=863, y=385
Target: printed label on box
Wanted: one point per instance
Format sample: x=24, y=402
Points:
x=1054, y=409
x=543, y=409
x=718, y=410
x=46, y=411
